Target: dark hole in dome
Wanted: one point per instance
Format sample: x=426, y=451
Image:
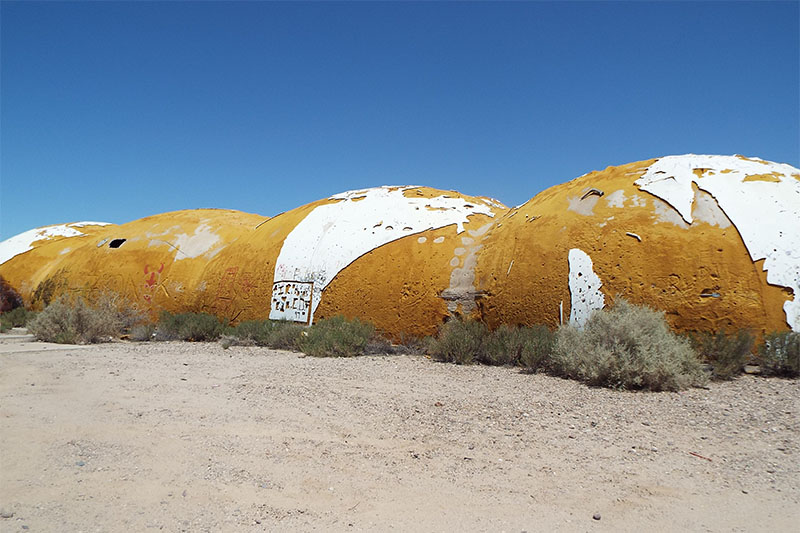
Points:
x=116, y=243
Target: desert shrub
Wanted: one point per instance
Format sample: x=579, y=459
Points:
x=195, y=327
x=336, y=337
x=779, y=355
x=143, y=332
x=503, y=346
x=278, y=334
x=626, y=347
x=538, y=343
x=16, y=318
x=9, y=298
x=459, y=341
x=726, y=353
x=529, y=347
x=71, y=320
x=286, y=336
x=253, y=332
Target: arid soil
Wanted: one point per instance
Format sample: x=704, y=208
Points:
x=191, y=437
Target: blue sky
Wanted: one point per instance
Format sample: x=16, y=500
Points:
x=114, y=111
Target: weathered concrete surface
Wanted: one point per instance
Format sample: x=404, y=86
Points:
x=673, y=233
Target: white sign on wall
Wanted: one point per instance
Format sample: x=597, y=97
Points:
x=291, y=300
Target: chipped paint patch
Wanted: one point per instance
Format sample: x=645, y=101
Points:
x=584, y=288
x=19, y=244
x=771, y=235
x=583, y=205
x=616, y=199
x=666, y=213
x=706, y=209
x=202, y=241
x=334, y=235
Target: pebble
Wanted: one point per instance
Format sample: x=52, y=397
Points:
x=596, y=516
x=5, y=513
x=80, y=463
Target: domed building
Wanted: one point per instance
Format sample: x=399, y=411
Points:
x=711, y=240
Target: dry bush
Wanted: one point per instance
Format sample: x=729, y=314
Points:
x=337, y=337
x=460, y=341
x=278, y=334
x=727, y=353
x=71, y=320
x=627, y=347
x=779, y=355
x=195, y=327
x=16, y=318
x=143, y=332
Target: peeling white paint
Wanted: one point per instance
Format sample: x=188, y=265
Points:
x=616, y=199
x=202, y=241
x=584, y=288
x=334, y=235
x=19, y=244
x=766, y=213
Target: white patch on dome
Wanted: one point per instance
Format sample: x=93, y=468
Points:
x=334, y=235
x=202, y=241
x=584, y=288
x=616, y=199
x=19, y=244
x=766, y=212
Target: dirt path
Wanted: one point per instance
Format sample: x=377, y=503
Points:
x=191, y=437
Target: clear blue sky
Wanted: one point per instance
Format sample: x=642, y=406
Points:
x=114, y=111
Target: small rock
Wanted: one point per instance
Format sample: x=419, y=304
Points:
x=596, y=516
x=80, y=463
x=5, y=513
x=752, y=369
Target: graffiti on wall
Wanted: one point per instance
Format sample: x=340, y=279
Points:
x=291, y=300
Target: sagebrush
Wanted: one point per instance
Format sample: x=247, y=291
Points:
x=779, y=355
x=15, y=318
x=337, y=337
x=193, y=327
x=278, y=334
x=726, y=353
x=71, y=319
x=460, y=341
x=626, y=347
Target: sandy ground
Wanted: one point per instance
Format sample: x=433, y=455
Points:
x=191, y=437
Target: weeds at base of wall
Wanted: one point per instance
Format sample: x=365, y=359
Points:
x=627, y=347
x=280, y=335
x=726, y=353
x=337, y=337
x=779, y=355
x=74, y=320
x=16, y=318
x=193, y=327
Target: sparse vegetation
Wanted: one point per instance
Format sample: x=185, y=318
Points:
x=460, y=341
x=337, y=337
x=143, y=332
x=195, y=327
x=280, y=334
x=779, y=355
x=626, y=347
x=73, y=320
x=16, y=318
x=726, y=353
